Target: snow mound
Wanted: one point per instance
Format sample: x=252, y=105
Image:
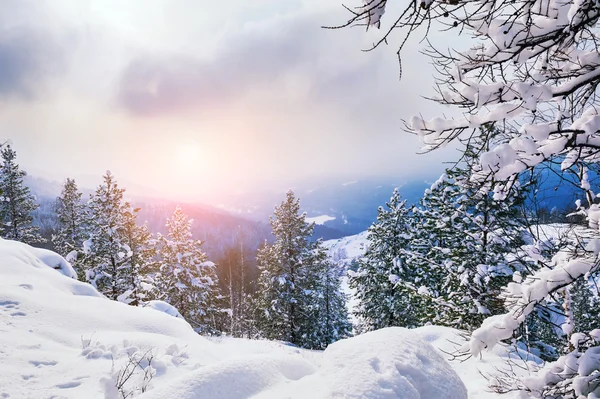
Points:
x=60, y=337
x=37, y=257
x=164, y=307
x=387, y=363
x=397, y=364
x=250, y=375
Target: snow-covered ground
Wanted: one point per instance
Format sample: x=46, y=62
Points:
x=321, y=219
x=348, y=248
x=60, y=338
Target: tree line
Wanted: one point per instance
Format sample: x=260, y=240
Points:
x=447, y=260
x=297, y=299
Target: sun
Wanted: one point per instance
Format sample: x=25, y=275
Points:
x=188, y=155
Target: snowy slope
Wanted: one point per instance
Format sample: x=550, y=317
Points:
x=348, y=248
x=320, y=220
x=59, y=338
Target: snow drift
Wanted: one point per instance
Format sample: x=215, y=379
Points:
x=61, y=338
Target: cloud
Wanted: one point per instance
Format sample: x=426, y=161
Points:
x=31, y=54
x=28, y=59
x=260, y=56
x=258, y=86
x=294, y=90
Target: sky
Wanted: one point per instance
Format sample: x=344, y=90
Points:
x=192, y=99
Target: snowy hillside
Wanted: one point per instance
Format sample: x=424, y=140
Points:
x=62, y=339
x=346, y=249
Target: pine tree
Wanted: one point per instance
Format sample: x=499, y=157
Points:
x=139, y=269
x=585, y=304
x=444, y=253
x=106, y=251
x=464, y=238
x=541, y=334
x=18, y=204
x=380, y=282
x=332, y=302
x=71, y=227
x=188, y=280
x=290, y=297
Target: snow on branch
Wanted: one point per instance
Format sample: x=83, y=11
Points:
x=521, y=298
x=534, y=66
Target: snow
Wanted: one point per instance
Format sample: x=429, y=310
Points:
x=252, y=374
x=61, y=338
x=375, y=10
x=346, y=249
x=349, y=183
x=478, y=372
x=523, y=294
x=52, y=260
x=322, y=219
x=352, y=302
x=164, y=307
x=398, y=363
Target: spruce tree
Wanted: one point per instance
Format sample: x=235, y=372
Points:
x=139, y=269
x=464, y=238
x=443, y=248
x=290, y=303
x=332, y=303
x=384, y=298
x=585, y=304
x=71, y=227
x=106, y=251
x=17, y=203
x=188, y=280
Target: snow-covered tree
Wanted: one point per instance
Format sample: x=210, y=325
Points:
x=585, y=305
x=106, y=252
x=468, y=244
x=384, y=299
x=532, y=66
x=71, y=227
x=187, y=279
x=291, y=284
x=118, y=257
x=333, y=322
x=443, y=251
x=17, y=203
x=139, y=269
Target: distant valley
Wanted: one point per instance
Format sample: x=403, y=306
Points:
x=338, y=207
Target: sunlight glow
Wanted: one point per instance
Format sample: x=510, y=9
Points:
x=189, y=155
